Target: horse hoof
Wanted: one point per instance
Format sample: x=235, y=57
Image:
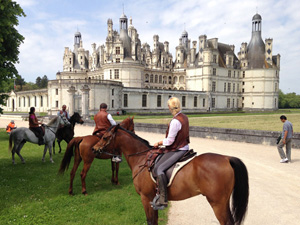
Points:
x=85, y=193
x=51, y=161
x=23, y=162
x=71, y=193
x=43, y=160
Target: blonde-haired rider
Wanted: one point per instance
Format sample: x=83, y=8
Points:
x=176, y=143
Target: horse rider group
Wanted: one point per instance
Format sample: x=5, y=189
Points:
x=176, y=141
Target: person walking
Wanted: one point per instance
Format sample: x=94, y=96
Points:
x=177, y=144
x=103, y=121
x=286, y=139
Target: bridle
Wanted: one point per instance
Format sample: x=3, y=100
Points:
x=107, y=143
x=65, y=123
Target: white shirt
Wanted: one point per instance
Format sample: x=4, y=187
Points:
x=175, y=127
x=111, y=120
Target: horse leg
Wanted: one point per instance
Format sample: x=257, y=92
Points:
x=13, y=154
x=222, y=211
x=152, y=215
x=77, y=160
x=53, y=147
x=19, y=149
x=117, y=172
x=45, y=151
x=114, y=167
x=86, y=167
x=50, y=153
x=58, y=142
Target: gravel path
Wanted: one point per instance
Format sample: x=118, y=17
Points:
x=274, y=187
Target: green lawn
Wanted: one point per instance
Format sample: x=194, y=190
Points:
x=251, y=121
x=33, y=193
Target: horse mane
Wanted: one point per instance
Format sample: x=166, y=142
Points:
x=134, y=136
x=52, y=121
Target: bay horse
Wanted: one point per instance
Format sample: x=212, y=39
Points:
x=66, y=133
x=217, y=177
x=21, y=135
x=83, y=151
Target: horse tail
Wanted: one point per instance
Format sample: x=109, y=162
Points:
x=10, y=141
x=240, y=193
x=68, y=155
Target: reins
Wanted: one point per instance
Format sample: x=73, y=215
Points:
x=138, y=153
x=56, y=126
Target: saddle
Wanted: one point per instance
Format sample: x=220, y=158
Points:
x=154, y=156
x=37, y=133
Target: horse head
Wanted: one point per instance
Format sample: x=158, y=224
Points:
x=128, y=124
x=77, y=118
x=106, y=140
x=63, y=120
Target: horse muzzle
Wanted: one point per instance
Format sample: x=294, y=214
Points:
x=97, y=150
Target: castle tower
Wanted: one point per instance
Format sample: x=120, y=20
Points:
x=77, y=40
x=124, y=36
x=184, y=39
x=110, y=28
x=256, y=47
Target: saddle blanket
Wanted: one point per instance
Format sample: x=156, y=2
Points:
x=176, y=169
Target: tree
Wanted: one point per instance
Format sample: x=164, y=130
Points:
x=44, y=82
x=38, y=81
x=10, y=41
x=20, y=81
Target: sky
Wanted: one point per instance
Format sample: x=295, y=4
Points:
x=50, y=25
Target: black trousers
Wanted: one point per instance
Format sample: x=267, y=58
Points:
x=38, y=131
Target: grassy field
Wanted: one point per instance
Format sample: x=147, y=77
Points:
x=33, y=193
x=252, y=121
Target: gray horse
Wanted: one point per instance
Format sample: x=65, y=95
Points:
x=21, y=135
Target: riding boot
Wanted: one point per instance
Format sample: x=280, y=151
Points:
x=41, y=141
x=163, y=191
x=160, y=201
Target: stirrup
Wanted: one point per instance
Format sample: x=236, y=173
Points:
x=155, y=205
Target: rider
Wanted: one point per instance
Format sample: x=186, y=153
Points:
x=63, y=111
x=103, y=121
x=34, y=126
x=10, y=126
x=177, y=144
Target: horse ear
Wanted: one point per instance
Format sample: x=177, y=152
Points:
x=132, y=117
x=117, y=127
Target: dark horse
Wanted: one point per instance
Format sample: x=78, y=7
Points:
x=215, y=176
x=66, y=133
x=83, y=151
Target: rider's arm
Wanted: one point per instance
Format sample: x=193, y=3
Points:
x=111, y=120
x=175, y=126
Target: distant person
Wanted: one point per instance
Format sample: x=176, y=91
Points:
x=10, y=126
x=34, y=126
x=64, y=111
x=286, y=139
x=103, y=121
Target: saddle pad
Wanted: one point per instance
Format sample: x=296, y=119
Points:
x=177, y=167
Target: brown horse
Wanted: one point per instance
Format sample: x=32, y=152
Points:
x=83, y=151
x=215, y=176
